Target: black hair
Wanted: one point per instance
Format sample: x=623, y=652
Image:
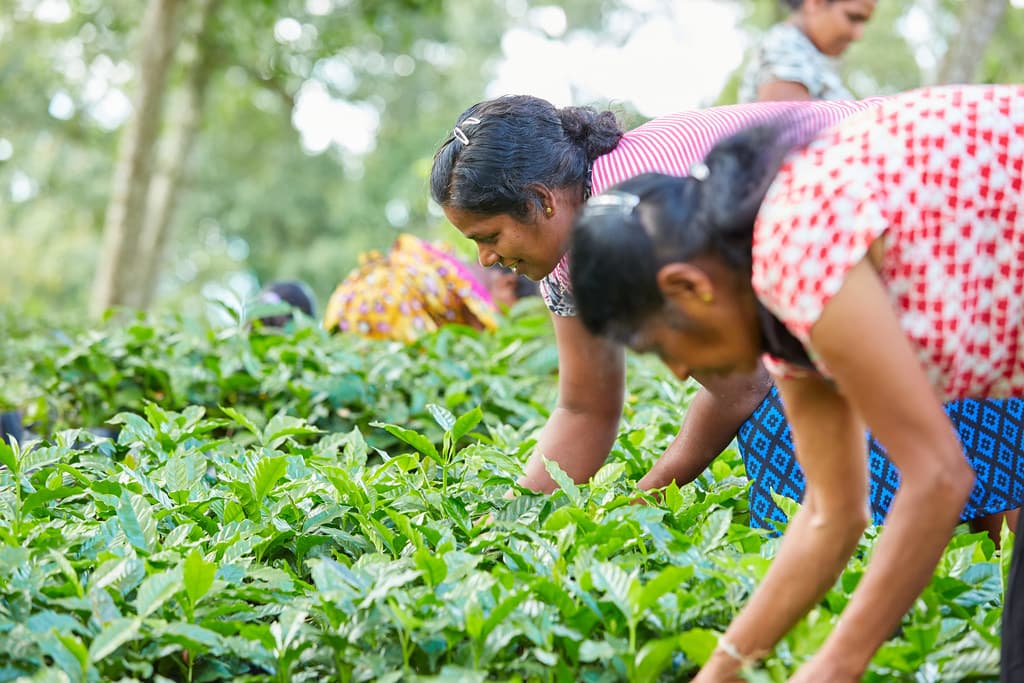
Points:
x=294, y=293
x=616, y=252
x=514, y=142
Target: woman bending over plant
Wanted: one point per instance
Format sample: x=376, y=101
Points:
x=877, y=271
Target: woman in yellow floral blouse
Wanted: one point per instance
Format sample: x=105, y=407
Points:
x=414, y=289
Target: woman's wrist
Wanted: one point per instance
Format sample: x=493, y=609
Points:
x=844, y=656
x=742, y=657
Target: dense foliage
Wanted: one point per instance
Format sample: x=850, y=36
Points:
x=294, y=506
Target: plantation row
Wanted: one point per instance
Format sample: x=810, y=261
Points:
x=302, y=507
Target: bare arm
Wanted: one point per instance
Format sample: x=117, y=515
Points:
x=883, y=382
x=783, y=91
x=712, y=420
x=887, y=386
x=583, y=426
x=821, y=536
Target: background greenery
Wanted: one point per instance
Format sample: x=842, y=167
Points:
x=297, y=506
x=253, y=204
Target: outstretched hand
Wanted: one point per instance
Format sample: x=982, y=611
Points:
x=824, y=669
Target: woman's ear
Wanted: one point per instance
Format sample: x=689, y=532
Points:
x=548, y=206
x=685, y=284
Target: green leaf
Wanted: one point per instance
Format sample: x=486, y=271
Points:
x=502, y=610
x=414, y=439
x=715, y=526
x=442, y=416
x=75, y=647
x=136, y=518
x=156, y=590
x=652, y=659
x=667, y=580
x=473, y=616
x=191, y=636
x=434, y=568
x=282, y=426
x=615, y=583
x=115, y=634
x=66, y=651
x=596, y=650
x=609, y=474
x=7, y=458
x=181, y=472
x=157, y=416
x=698, y=644
x=198, y=575
x=564, y=481
x=466, y=423
x=268, y=472
x=241, y=419
x=135, y=428
x=43, y=496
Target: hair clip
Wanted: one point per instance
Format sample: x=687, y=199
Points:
x=458, y=132
x=700, y=171
x=611, y=200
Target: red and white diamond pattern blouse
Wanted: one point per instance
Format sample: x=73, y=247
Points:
x=940, y=173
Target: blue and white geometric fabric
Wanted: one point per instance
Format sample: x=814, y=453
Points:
x=991, y=431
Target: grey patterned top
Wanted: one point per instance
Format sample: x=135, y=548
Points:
x=786, y=54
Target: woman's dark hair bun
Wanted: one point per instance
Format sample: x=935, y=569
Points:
x=596, y=132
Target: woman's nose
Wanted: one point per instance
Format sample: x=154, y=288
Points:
x=487, y=256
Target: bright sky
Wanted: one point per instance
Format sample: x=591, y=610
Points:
x=660, y=56
x=672, y=55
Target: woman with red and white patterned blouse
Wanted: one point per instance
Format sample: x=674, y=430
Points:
x=877, y=270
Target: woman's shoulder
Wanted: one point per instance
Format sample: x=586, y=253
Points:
x=786, y=39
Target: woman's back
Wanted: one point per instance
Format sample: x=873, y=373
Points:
x=944, y=188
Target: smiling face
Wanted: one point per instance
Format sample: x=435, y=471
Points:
x=833, y=26
x=707, y=328
x=531, y=247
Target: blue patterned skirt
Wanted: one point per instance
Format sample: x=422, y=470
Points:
x=991, y=431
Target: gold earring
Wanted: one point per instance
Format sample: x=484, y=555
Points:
x=706, y=297
x=548, y=210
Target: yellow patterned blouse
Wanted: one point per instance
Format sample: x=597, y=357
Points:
x=413, y=289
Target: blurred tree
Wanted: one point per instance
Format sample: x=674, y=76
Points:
x=979, y=21
x=166, y=183
x=116, y=274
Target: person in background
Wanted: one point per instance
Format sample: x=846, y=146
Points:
x=415, y=288
x=11, y=427
x=877, y=271
x=288, y=296
x=795, y=60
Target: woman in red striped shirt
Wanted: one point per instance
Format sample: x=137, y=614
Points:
x=512, y=176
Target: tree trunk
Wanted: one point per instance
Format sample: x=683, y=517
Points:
x=979, y=20
x=166, y=185
x=115, y=276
